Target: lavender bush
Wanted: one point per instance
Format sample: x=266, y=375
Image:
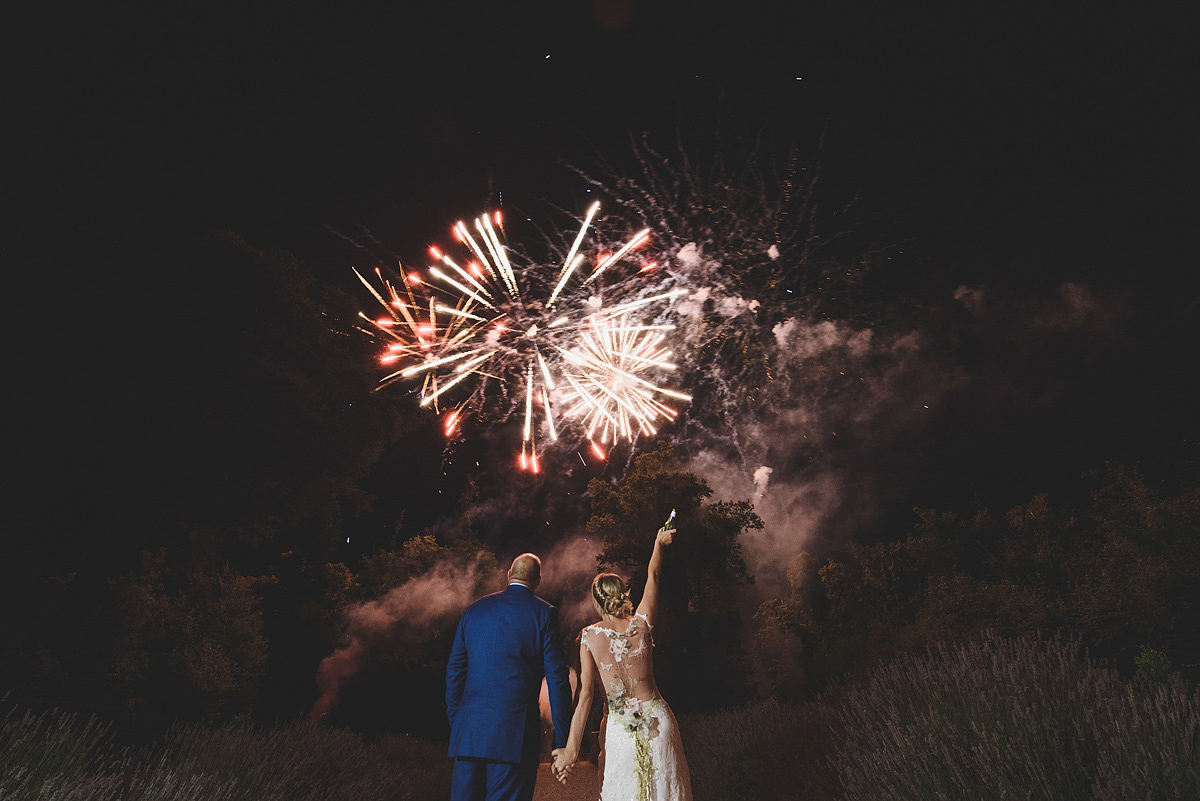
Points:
x=1013, y=718
x=1148, y=739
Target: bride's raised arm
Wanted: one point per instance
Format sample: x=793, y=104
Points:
x=649, y=605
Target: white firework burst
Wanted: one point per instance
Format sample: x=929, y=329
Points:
x=490, y=338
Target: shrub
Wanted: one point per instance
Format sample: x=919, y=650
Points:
x=1015, y=718
x=1152, y=665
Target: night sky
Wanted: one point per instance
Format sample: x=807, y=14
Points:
x=1015, y=147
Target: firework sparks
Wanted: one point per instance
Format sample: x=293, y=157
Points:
x=486, y=338
x=607, y=391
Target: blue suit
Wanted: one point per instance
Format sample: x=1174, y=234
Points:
x=505, y=644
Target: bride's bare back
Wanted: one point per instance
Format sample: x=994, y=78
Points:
x=624, y=657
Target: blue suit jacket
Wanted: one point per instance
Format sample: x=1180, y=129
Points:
x=506, y=642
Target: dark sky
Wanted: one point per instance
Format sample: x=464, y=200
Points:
x=1016, y=144
x=1071, y=124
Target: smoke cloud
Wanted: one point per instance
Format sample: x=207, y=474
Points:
x=818, y=420
x=567, y=573
x=407, y=614
x=812, y=447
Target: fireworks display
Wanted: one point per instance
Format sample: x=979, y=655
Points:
x=579, y=345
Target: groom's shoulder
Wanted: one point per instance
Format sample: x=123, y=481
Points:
x=543, y=606
x=486, y=601
x=545, y=611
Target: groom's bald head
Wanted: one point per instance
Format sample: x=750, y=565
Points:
x=527, y=569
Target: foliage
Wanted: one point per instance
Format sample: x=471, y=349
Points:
x=299, y=762
x=993, y=718
x=387, y=569
x=1124, y=572
x=256, y=426
x=198, y=644
x=310, y=595
x=701, y=574
x=55, y=756
x=1152, y=665
x=403, y=621
x=191, y=643
x=1149, y=742
x=1014, y=718
x=782, y=643
x=1137, y=580
x=60, y=637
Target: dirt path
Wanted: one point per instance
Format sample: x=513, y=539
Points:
x=584, y=784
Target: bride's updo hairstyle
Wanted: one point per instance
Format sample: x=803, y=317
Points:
x=611, y=595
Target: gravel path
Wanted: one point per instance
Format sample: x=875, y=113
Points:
x=584, y=784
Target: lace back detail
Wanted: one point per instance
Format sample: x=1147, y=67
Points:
x=624, y=659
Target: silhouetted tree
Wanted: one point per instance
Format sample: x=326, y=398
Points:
x=191, y=644
x=1125, y=573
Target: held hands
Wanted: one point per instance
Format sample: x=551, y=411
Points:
x=564, y=763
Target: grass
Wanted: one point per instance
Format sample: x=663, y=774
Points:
x=57, y=756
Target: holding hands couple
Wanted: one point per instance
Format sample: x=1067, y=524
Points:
x=506, y=641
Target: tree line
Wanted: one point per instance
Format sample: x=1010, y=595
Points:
x=209, y=585
x=1121, y=570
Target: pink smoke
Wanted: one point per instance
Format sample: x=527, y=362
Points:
x=410, y=610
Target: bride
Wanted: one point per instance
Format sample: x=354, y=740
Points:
x=643, y=753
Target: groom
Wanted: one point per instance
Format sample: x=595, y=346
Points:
x=505, y=643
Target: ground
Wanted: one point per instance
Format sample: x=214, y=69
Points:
x=584, y=784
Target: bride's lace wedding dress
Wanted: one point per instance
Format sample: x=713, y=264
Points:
x=644, y=758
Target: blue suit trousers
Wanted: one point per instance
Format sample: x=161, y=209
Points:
x=487, y=780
